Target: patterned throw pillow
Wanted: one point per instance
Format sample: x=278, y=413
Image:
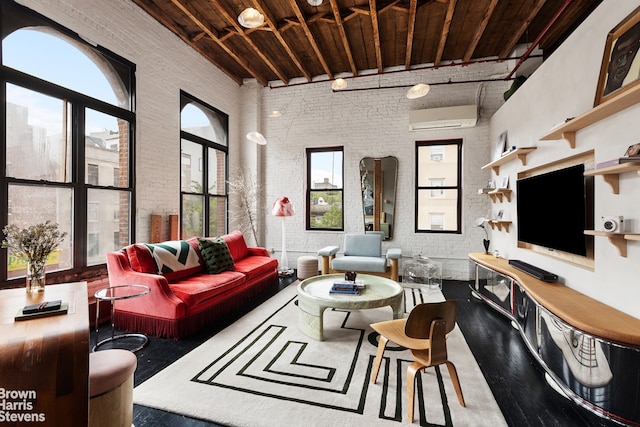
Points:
x=173, y=256
x=215, y=254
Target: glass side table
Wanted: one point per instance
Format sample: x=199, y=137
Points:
x=113, y=294
x=422, y=272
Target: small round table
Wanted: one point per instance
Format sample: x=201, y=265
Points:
x=113, y=294
x=314, y=298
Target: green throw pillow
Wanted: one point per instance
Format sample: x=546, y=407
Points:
x=216, y=255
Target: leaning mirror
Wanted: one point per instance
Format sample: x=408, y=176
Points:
x=378, y=184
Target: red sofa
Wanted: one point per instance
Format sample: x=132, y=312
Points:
x=183, y=300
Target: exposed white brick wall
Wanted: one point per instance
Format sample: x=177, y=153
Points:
x=164, y=66
x=375, y=123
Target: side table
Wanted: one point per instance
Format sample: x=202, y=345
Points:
x=113, y=294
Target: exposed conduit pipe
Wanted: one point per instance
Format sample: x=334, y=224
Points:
x=525, y=56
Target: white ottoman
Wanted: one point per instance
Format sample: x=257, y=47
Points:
x=307, y=267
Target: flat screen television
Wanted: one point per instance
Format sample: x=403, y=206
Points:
x=555, y=208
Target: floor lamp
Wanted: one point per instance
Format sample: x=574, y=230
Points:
x=283, y=208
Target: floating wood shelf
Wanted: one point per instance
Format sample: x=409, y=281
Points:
x=619, y=240
x=519, y=153
x=608, y=108
x=611, y=173
x=499, y=224
x=497, y=194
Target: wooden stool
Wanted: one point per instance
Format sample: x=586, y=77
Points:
x=111, y=388
x=307, y=267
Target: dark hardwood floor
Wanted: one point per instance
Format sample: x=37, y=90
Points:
x=514, y=376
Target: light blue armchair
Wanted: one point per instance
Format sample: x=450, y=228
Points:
x=362, y=254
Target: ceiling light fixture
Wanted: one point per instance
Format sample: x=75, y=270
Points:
x=257, y=137
x=250, y=18
x=418, y=91
x=275, y=113
x=314, y=2
x=339, y=84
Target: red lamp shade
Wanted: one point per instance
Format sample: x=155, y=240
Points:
x=282, y=207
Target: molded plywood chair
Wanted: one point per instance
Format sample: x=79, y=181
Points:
x=362, y=254
x=424, y=332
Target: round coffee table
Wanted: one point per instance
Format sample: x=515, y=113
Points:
x=314, y=298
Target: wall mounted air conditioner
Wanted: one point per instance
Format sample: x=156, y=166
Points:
x=462, y=116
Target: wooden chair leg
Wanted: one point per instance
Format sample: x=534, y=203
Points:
x=382, y=345
x=412, y=370
x=394, y=270
x=456, y=382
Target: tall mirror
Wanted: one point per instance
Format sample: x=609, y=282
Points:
x=378, y=184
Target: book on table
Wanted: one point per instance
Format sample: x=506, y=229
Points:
x=346, y=287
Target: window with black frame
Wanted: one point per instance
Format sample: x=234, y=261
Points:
x=203, y=168
x=438, y=186
x=325, y=189
x=68, y=127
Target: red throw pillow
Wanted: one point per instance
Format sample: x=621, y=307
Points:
x=237, y=245
x=140, y=258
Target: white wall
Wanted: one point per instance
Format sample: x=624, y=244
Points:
x=564, y=86
x=160, y=58
x=375, y=123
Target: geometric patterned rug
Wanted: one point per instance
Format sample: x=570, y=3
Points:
x=262, y=371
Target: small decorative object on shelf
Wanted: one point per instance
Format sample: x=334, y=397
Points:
x=33, y=244
x=480, y=222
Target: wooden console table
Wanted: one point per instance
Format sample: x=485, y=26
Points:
x=589, y=350
x=44, y=362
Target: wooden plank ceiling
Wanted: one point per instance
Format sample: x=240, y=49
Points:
x=344, y=38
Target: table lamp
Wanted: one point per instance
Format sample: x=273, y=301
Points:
x=283, y=207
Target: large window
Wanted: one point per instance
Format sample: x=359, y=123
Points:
x=203, y=168
x=68, y=119
x=324, y=189
x=438, y=186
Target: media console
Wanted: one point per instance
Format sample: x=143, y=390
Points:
x=589, y=351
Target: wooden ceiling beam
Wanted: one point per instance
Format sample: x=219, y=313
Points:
x=162, y=17
x=196, y=38
x=411, y=20
x=311, y=39
x=316, y=17
x=445, y=31
x=360, y=11
x=343, y=36
x=479, y=31
x=508, y=48
x=277, y=32
x=376, y=33
x=239, y=29
x=388, y=7
x=204, y=26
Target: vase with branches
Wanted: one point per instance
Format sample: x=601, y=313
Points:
x=34, y=244
x=244, y=185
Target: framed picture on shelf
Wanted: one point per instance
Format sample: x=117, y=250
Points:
x=620, y=69
x=491, y=184
x=633, y=150
x=504, y=182
x=501, y=146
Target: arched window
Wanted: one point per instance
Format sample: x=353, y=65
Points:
x=203, y=169
x=67, y=135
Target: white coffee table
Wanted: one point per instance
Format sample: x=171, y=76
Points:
x=314, y=298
